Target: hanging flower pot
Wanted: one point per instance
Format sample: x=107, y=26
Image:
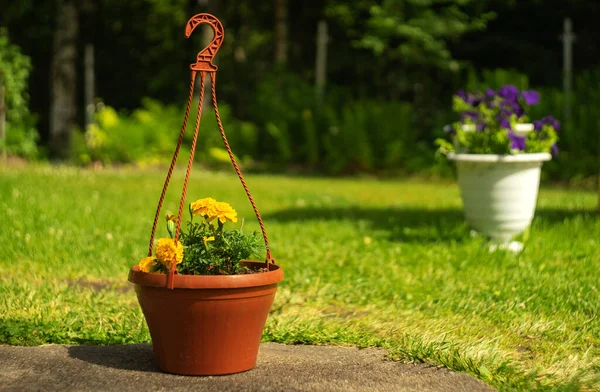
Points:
x=204, y=302
x=207, y=325
x=498, y=156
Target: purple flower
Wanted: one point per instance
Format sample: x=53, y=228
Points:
x=548, y=120
x=507, y=108
x=554, y=122
x=509, y=92
x=504, y=123
x=474, y=101
x=469, y=115
x=531, y=97
x=470, y=99
x=516, y=142
x=489, y=98
x=518, y=109
x=505, y=111
x=495, y=112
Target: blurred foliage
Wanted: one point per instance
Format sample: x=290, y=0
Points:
x=414, y=32
x=579, y=139
x=149, y=135
x=21, y=135
x=336, y=136
x=359, y=136
x=495, y=79
x=392, y=67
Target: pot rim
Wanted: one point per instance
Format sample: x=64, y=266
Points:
x=274, y=276
x=521, y=129
x=533, y=157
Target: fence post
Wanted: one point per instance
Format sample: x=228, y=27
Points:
x=321, y=60
x=90, y=84
x=568, y=39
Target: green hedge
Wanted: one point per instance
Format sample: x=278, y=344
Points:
x=289, y=129
x=21, y=134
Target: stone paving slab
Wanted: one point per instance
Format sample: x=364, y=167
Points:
x=279, y=368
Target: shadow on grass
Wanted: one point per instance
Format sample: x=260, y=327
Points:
x=402, y=224
x=414, y=224
x=561, y=215
x=137, y=357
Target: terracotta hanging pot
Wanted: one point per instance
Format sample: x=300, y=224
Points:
x=207, y=325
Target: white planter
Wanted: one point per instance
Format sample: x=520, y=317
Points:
x=499, y=192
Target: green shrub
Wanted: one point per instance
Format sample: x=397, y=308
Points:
x=150, y=134
x=286, y=127
x=495, y=79
x=147, y=134
x=338, y=135
x=15, y=67
x=369, y=135
x=283, y=110
x=21, y=139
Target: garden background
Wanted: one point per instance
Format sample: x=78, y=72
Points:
x=383, y=97
x=95, y=94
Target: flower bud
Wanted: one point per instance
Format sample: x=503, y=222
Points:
x=171, y=224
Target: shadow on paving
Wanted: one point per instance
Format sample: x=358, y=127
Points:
x=279, y=368
x=137, y=356
x=414, y=224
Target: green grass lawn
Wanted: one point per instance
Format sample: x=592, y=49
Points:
x=367, y=263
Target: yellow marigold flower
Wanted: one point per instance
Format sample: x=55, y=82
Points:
x=146, y=263
x=166, y=251
x=203, y=207
x=208, y=239
x=225, y=212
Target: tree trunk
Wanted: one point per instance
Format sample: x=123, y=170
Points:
x=89, y=87
x=87, y=15
x=2, y=120
x=281, y=31
x=63, y=79
x=598, y=207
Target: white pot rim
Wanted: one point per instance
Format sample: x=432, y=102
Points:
x=535, y=157
x=524, y=127
x=521, y=129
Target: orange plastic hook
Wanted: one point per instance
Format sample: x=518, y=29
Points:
x=206, y=55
